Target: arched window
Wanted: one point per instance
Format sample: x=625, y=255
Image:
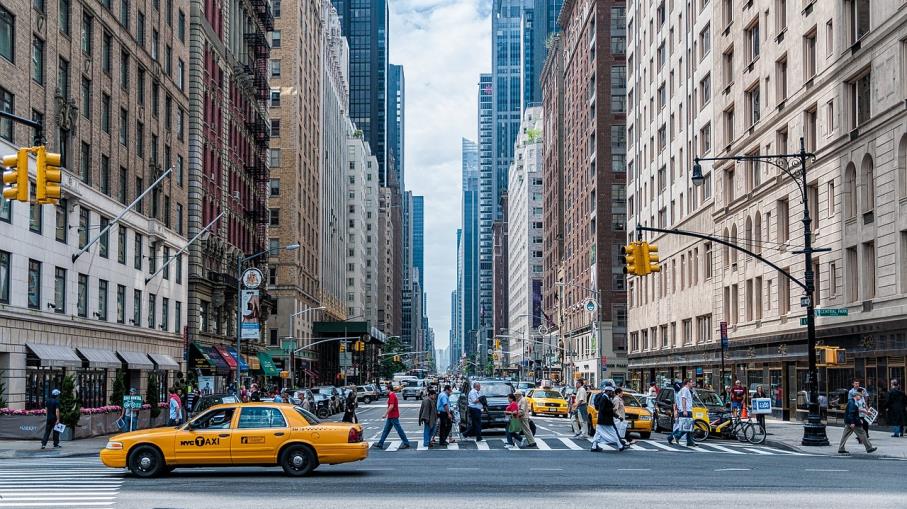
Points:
x=726, y=251
x=757, y=233
x=748, y=234
x=902, y=166
x=867, y=182
x=850, y=190
x=733, y=240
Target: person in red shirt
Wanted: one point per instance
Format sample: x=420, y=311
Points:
x=738, y=396
x=392, y=419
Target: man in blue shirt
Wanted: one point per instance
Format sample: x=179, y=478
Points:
x=444, y=414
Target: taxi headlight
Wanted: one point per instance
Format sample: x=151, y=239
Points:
x=117, y=446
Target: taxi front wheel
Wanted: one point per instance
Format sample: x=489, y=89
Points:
x=146, y=461
x=297, y=461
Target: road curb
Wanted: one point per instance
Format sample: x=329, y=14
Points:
x=23, y=454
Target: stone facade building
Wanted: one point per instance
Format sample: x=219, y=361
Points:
x=109, y=82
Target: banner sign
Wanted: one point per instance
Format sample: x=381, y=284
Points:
x=251, y=312
x=761, y=406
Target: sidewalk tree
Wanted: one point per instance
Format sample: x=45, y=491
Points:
x=153, y=396
x=70, y=407
x=119, y=389
x=389, y=366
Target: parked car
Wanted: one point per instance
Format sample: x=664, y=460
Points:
x=207, y=401
x=367, y=393
x=382, y=390
x=324, y=407
x=706, y=406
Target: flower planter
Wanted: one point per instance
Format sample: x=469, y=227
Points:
x=29, y=425
x=22, y=427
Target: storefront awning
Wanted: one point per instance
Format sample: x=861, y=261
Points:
x=267, y=365
x=243, y=366
x=100, y=358
x=55, y=355
x=225, y=355
x=220, y=365
x=198, y=357
x=135, y=360
x=252, y=361
x=164, y=361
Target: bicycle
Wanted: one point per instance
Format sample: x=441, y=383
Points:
x=728, y=425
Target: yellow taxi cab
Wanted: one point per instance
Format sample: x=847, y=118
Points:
x=639, y=419
x=239, y=434
x=547, y=402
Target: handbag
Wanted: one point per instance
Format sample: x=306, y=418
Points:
x=59, y=427
x=514, y=426
x=686, y=424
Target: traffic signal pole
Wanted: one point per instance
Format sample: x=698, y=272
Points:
x=37, y=126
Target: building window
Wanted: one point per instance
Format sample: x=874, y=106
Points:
x=783, y=213
x=165, y=313
x=37, y=60
x=35, y=217
x=868, y=263
x=857, y=15
x=274, y=157
x=7, y=35
x=275, y=97
x=618, y=88
x=140, y=28
x=61, y=231
x=124, y=127
x=4, y=277
x=727, y=66
x=780, y=15
x=165, y=260
x=809, y=128
x=136, y=308
x=106, y=53
x=152, y=257
x=275, y=39
x=7, y=101
x=752, y=40
x=859, y=91
x=275, y=68
x=105, y=113
x=59, y=290
x=124, y=69
x=152, y=312
x=179, y=268
x=181, y=26
x=753, y=104
x=705, y=90
x=274, y=217
x=275, y=187
x=729, y=126
x=867, y=185
x=82, y=297
x=177, y=317
x=781, y=78
x=104, y=242
x=275, y=128
x=34, y=284
x=121, y=244
x=809, y=55
x=87, y=29
x=122, y=184
x=102, y=300
x=137, y=253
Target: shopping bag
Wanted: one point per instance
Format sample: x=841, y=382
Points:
x=686, y=424
x=514, y=426
x=59, y=427
x=121, y=424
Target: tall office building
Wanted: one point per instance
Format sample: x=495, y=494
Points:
x=418, y=216
x=591, y=170
x=297, y=155
x=486, y=197
x=396, y=109
x=456, y=319
x=229, y=134
x=468, y=249
x=407, y=262
x=365, y=25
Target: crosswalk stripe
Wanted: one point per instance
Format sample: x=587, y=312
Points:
x=758, y=451
x=423, y=445
x=638, y=447
x=393, y=446
x=570, y=444
x=66, y=484
x=453, y=447
x=482, y=446
x=662, y=446
x=722, y=448
x=542, y=445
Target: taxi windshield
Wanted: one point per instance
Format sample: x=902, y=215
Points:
x=630, y=400
x=308, y=416
x=546, y=394
x=496, y=390
x=708, y=398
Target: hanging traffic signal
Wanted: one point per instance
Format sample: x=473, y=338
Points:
x=15, y=180
x=49, y=177
x=360, y=346
x=497, y=344
x=342, y=346
x=631, y=259
x=396, y=358
x=650, y=258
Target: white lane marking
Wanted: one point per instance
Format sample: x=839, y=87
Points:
x=662, y=446
x=462, y=468
x=547, y=469
x=758, y=451
x=635, y=469
x=732, y=470
x=825, y=470
x=570, y=444
x=542, y=445
x=56, y=504
x=453, y=447
x=393, y=446
x=637, y=447
x=722, y=448
x=782, y=451
x=482, y=446
x=374, y=469
x=423, y=446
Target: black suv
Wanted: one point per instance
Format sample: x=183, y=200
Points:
x=495, y=392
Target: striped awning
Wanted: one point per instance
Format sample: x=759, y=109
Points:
x=54, y=355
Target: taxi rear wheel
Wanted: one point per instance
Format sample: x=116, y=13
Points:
x=146, y=461
x=297, y=461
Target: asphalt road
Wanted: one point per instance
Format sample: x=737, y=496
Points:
x=469, y=477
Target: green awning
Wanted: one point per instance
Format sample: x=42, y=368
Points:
x=267, y=365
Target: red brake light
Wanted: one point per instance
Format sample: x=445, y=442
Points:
x=355, y=435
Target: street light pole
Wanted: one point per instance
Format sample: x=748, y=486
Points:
x=240, y=261
x=814, y=430
x=291, y=329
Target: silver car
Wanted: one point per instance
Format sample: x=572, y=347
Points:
x=367, y=393
x=415, y=389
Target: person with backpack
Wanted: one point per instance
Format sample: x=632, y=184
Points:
x=605, y=431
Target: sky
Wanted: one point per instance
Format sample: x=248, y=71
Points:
x=443, y=46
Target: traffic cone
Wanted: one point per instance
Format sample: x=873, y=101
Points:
x=745, y=414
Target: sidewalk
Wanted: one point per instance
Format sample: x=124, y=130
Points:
x=788, y=435
x=32, y=448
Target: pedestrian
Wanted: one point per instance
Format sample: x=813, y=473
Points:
x=352, y=403
x=853, y=424
x=392, y=419
x=255, y=394
x=864, y=402
x=474, y=404
x=455, y=422
x=620, y=415
x=525, y=426
x=653, y=390
x=174, y=404
x=130, y=417
x=897, y=408
x=580, y=409
x=445, y=417
x=191, y=398
x=428, y=417
x=52, y=406
x=605, y=432
x=760, y=393
x=514, y=425
x=683, y=414
x=738, y=397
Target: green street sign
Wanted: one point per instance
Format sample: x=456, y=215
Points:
x=831, y=312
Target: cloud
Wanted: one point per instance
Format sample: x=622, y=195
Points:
x=443, y=46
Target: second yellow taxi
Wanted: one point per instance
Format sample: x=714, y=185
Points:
x=547, y=402
x=639, y=419
x=266, y=434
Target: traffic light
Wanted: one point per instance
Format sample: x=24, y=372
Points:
x=49, y=177
x=396, y=358
x=497, y=344
x=650, y=258
x=342, y=346
x=15, y=180
x=359, y=346
x=631, y=259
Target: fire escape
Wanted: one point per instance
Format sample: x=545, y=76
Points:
x=257, y=125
